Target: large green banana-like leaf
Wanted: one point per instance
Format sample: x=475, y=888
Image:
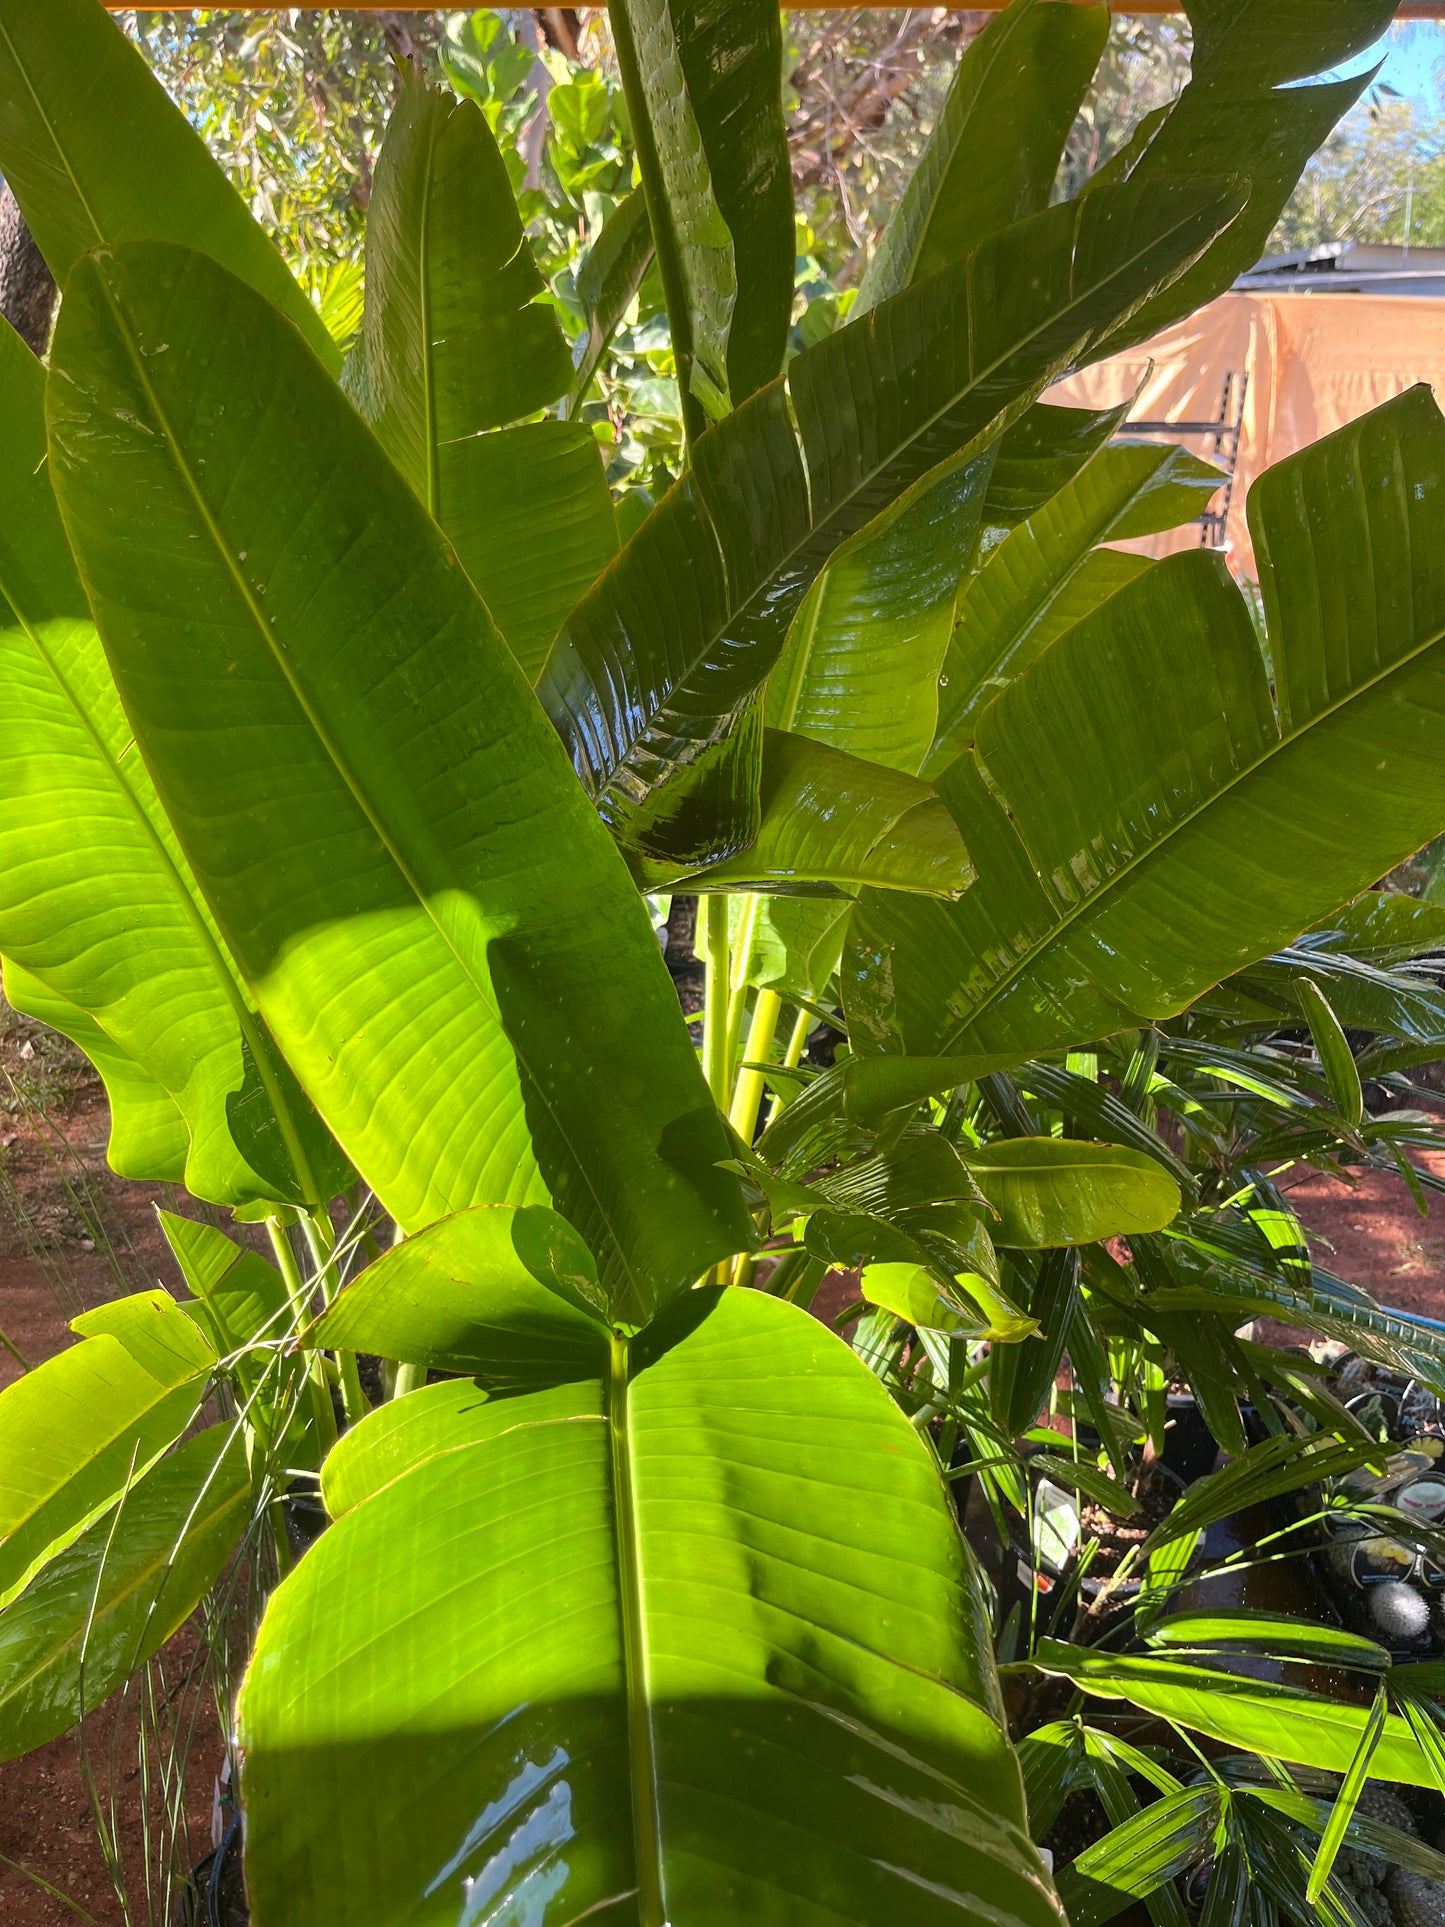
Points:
x=382, y=820
x=661, y=658
x=995, y=147
x=455, y=343
x=1242, y=113
x=832, y=824
x=703, y=80
x=1053, y=1191
x=454, y=340
x=103, y=926
x=72, y=1431
x=1010, y=610
x=69, y=79
x=535, y=1323
x=112, y=1598
x=148, y=1135
x=731, y=53
x=695, y=1639
x=861, y=664
x=1142, y=821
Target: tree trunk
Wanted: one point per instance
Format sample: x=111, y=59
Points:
x=28, y=294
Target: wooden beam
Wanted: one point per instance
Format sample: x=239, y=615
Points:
x=1407, y=10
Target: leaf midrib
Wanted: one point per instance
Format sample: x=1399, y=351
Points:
x=1161, y=844
x=641, y=1749
x=343, y=770
x=428, y=379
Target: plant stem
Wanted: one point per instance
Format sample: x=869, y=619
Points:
x=322, y=1239
x=798, y=1042
x=748, y=1096
x=409, y=1378
x=296, y=1292
x=737, y=1003
x=714, y=913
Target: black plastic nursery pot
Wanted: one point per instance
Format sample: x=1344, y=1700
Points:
x=214, y=1894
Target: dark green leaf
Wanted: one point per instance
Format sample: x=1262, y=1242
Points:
x=995, y=147
x=1265, y=1471
x=1135, y=1860
x=657, y=664
x=608, y=279
x=1333, y=1049
x=1021, y=1380
x=1241, y=114
x=1110, y=897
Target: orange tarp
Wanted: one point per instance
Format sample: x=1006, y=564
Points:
x=1314, y=362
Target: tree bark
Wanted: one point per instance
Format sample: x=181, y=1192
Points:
x=28, y=294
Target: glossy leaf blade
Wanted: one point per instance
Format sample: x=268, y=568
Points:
x=608, y=278
x=1108, y=897
x=115, y=1596
x=832, y=823
x=658, y=662
x=1010, y=612
x=1140, y=1857
x=731, y=53
x=1240, y=1628
x=408, y=856
x=68, y=78
x=454, y=340
x=861, y=664
x=1248, y=1715
x=708, y=1723
x=507, y=1296
x=996, y=145
x=1050, y=1191
x=693, y=241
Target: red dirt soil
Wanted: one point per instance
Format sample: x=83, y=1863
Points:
x=74, y=1236
x=1371, y=1234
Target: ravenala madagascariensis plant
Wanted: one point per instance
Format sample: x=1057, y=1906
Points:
x=340, y=738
